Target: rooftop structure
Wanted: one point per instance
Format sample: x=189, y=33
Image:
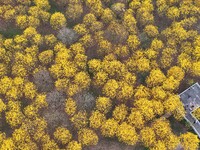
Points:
x=191, y=101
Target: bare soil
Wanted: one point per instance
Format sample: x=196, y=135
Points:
x=177, y=126
x=108, y=144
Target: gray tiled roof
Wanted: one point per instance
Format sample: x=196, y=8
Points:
x=191, y=100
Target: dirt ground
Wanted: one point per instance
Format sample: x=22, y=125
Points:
x=108, y=144
x=178, y=127
x=3, y=25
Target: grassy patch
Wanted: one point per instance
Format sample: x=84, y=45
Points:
x=54, y=7
x=142, y=77
x=11, y=32
x=145, y=40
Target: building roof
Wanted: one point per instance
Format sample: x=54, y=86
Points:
x=191, y=94
x=191, y=101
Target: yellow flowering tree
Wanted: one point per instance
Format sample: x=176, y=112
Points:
x=120, y=112
x=30, y=90
x=159, y=145
x=155, y=78
x=82, y=79
x=46, y=57
x=151, y=30
x=125, y=91
x=136, y=119
x=57, y=20
x=109, y=128
x=173, y=13
x=196, y=69
x=133, y=42
x=74, y=145
x=148, y=136
x=110, y=88
x=162, y=128
x=177, y=72
x=8, y=144
x=2, y=106
x=96, y=119
x=70, y=107
x=62, y=135
x=80, y=120
x=87, y=137
x=189, y=140
x=103, y=104
x=171, y=141
x=127, y=134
